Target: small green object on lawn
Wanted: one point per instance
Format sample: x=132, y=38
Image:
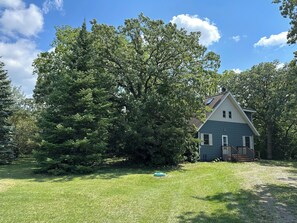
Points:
x=159, y=174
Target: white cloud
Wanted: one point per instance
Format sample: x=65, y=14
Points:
x=52, y=4
x=18, y=58
x=237, y=70
x=52, y=50
x=274, y=40
x=280, y=66
x=21, y=21
x=12, y=3
x=19, y=25
x=236, y=38
x=209, y=32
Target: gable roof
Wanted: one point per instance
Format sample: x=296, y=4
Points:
x=215, y=102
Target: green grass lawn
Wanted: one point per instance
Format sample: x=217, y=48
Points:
x=201, y=192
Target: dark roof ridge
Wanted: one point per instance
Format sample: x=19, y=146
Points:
x=212, y=96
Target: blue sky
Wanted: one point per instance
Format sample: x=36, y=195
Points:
x=243, y=33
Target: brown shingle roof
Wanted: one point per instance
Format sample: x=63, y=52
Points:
x=214, y=101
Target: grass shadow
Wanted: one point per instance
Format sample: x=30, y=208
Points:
x=277, y=163
x=265, y=203
x=292, y=165
x=219, y=217
x=24, y=168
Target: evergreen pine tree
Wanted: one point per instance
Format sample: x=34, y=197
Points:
x=75, y=121
x=6, y=102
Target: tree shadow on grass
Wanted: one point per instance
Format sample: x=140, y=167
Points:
x=266, y=203
x=280, y=163
x=292, y=165
x=24, y=168
x=219, y=217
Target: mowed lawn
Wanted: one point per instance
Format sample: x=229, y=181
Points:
x=263, y=191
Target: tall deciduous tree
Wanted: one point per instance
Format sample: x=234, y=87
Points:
x=162, y=75
x=6, y=131
x=76, y=109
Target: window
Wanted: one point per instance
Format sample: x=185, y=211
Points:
x=224, y=114
x=206, y=139
x=248, y=141
x=224, y=140
x=230, y=114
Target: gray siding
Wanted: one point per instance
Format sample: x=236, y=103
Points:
x=234, y=131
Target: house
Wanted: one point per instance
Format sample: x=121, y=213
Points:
x=227, y=132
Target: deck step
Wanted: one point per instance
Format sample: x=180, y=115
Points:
x=241, y=158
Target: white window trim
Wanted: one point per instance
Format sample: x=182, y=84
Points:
x=223, y=140
x=224, y=113
x=209, y=138
x=251, y=141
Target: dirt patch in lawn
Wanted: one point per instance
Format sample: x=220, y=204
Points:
x=275, y=187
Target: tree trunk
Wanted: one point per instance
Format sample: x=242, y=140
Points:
x=269, y=141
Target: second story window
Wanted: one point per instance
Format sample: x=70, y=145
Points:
x=230, y=114
x=224, y=114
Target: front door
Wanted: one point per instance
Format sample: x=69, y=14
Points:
x=226, y=149
x=248, y=141
x=224, y=140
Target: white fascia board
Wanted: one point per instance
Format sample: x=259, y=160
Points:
x=250, y=124
x=248, y=110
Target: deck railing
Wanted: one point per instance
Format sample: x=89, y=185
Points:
x=229, y=152
x=244, y=150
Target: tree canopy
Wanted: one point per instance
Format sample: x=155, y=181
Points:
x=162, y=75
x=6, y=109
x=271, y=91
x=75, y=117
x=130, y=89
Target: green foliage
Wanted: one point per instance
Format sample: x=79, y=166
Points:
x=75, y=117
x=271, y=91
x=6, y=130
x=131, y=89
x=23, y=119
x=162, y=75
x=288, y=9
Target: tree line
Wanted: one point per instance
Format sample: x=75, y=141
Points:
x=130, y=92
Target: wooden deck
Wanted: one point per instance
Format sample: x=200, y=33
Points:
x=238, y=154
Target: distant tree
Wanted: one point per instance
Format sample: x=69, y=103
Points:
x=23, y=119
x=6, y=129
x=286, y=133
x=271, y=91
x=75, y=118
